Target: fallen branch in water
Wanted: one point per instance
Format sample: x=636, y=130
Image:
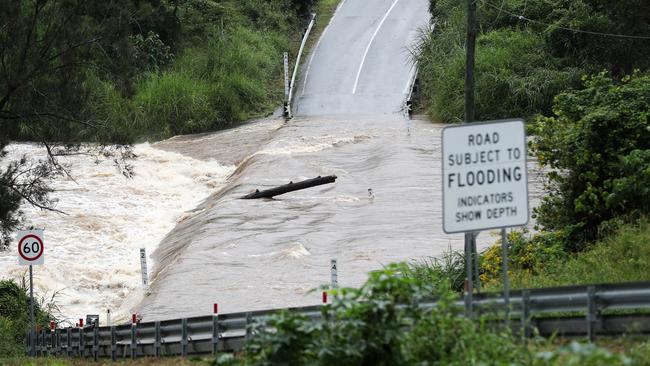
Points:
x=290, y=187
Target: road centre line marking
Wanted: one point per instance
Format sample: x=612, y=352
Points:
x=313, y=52
x=365, y=54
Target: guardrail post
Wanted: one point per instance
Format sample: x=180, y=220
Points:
x=113, y=344
x=134, y=339
x=52, y=343
x=38, y=343
x=36, y=337
x=95, y=342
x=44, y=343
x=57, y=336
x=215, y=330
x=249, y=324
x=157, y=340
x=525, y=313
x=592, y=313
x=68, y=334
x=184, y=337
x=82, y=352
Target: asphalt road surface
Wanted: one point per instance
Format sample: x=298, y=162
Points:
x=362, y=63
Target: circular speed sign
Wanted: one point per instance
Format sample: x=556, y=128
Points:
x=30, y=247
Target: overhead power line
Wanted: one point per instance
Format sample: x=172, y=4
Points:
x=524, y=18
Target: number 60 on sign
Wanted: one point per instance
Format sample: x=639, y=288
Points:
x=30, y=247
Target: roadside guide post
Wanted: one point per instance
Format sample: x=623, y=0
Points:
x=334, y=273
x=30, y=253
x=287, y=107
x=485, y=186
x=143, y=269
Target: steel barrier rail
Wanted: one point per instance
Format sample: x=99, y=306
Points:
x=549, y=310
x=287, y=104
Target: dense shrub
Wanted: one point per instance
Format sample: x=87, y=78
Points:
x=14, y=317
x=381, y=324
x=527, y=255
x=597, y=147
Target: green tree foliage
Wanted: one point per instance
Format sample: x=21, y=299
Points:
x=588, y=48
x=598, y=147
x=526, y=52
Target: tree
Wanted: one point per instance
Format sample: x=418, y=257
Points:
x=47, y=50
x=598, y=149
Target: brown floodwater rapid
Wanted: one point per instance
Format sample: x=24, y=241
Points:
x=271, y=253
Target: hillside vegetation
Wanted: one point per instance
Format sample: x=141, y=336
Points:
x=122, y=70
x=527, y=52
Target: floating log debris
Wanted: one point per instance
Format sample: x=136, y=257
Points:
x=290, y=187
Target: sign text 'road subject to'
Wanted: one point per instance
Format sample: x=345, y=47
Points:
x=484, y=176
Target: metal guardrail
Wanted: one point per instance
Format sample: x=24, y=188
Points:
x=289, y=96
x=567, y=311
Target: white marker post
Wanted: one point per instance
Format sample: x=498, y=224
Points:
x=485, y=181
x=30, y=253
x=287, y=107
x=143, y=268
x=334, y=273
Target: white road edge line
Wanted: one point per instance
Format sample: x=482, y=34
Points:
x=365, y=54
x=313, y=52
x=409, y=82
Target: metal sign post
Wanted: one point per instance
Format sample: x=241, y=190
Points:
x=485, y=183
x=469, y=291
x=506, y=282
x=30, y=253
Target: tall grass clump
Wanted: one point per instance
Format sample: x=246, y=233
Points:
x=227, y=80
x=173, y=103
x=514, y=76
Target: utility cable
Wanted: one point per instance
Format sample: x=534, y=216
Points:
x=523, y=18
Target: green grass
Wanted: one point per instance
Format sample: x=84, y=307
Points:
x=226, y=69
x=51, y=361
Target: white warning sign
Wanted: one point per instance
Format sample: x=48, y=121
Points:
x=485, y=185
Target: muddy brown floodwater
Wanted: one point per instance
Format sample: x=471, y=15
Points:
x=260, y=254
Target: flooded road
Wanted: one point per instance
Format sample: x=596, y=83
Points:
x=259, y=254
x=270, y=253
x=207, y=246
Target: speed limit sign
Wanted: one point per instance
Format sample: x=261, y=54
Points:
x=30, y=247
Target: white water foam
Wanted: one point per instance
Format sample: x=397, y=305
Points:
x=92, y=252
x=305, y=145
